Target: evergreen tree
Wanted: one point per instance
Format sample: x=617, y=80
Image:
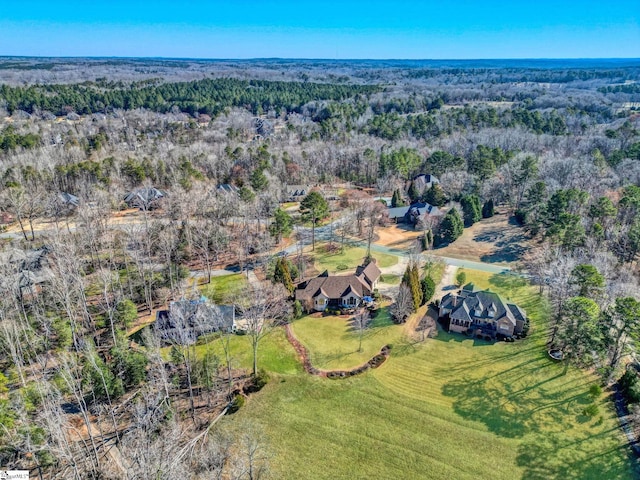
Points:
x=428, y=288
x=259, y=180
x=413, y=193
x=435, y=195
x=314, y=208
x=416, y=288
x=450, y=228
x=488, y=209
x=281, y=225
x=282, y=275
x=396, y=199
x=471, y=209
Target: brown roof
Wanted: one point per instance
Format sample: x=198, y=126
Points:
x=332, y=287
x=371, y=273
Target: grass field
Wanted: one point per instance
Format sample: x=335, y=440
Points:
x=333, y=343
x=390, y=279
x=350, y=258
x=224, y=288
x=451, y=408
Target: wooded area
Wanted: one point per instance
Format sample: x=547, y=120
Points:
x=209, y=152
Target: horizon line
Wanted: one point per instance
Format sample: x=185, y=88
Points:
x=129, y=57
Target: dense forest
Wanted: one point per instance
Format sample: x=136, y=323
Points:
x=555, y=145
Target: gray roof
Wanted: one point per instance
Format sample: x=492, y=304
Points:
x=470, y=306
x=397, y=212
x=69, y=199
x=143, y=196
x=424, y=181
x=186, y=320
x=227, y=188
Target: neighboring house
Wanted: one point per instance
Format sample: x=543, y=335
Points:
x=227, y=188
x=186, y=320
x=295, y=193
x=144, y=198
x=340, y=291
x=420, y=211
x=481, y=313
x=68, y=200
x=423, y=181
x=28, y=269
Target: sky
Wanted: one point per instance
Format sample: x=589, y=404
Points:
x=345, y=29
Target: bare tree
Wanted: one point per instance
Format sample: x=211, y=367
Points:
x=361, y=321
x=403, y=306
x=263, y=306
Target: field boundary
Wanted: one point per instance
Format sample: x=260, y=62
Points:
x=303, y=353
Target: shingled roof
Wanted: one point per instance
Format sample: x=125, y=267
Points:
x=463, y=306
x=334, y=286
x=369, y=273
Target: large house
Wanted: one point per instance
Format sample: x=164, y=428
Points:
x=340, y=291
x=412, y=214
x=144, y=198
x=186, y=320
x=482, y=313
x=424, y=181
x=295, y=193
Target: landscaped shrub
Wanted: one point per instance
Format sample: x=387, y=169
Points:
x=590, y=411
x=258, y=381
x=595, y=391
x=342, y=266
x=236, y=404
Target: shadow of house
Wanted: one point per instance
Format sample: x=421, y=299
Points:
x=144, y=198
x=186, y=320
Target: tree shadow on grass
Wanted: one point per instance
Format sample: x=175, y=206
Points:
x=517, y=401
x=549, y=456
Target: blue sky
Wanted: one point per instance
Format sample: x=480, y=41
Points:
x=322, y=29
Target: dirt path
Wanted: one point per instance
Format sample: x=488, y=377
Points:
x=447, y=283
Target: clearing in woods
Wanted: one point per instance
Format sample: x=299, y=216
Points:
x=451, y=407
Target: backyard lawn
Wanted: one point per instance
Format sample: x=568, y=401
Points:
x=347, y=260
x=223, y=289
x=450, y=408
x=333, y=343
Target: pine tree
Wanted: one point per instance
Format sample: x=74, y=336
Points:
x=416, y=288
x=413, y=193
x=450, y=228
x=435, y=196
x=428, y=288
x=471, y=209
x=396, y=200
x=282, y=275
x=488, y=209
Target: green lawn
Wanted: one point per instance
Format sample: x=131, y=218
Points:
x=333, y=343
x=350, y=258
x=275, y=353
x=224, y=288
x=391, y=279
x=451, y=408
